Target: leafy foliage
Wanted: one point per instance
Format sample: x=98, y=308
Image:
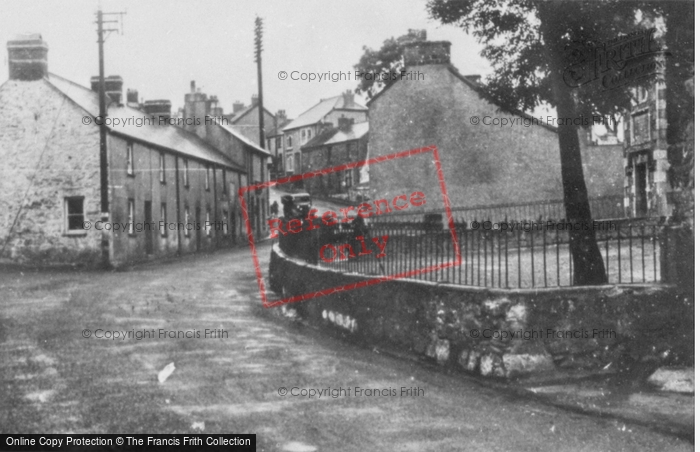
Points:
x=386, y=60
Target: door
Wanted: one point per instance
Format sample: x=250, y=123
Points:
x=640, y=189
x=198, y=227
x=148, y=226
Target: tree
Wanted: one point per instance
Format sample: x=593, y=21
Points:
x=534, y=46
x=382, y=67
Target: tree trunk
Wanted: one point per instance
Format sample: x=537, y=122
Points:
x=589, y=268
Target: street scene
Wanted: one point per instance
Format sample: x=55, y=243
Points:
x=58, y=381
x=432, y=225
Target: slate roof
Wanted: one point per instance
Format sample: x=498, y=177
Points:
x=316, y=113
x=244, y=139
x=235, y=117
x=478, y=87
x=170, y=137
x=335, y=135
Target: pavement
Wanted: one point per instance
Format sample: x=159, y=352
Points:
x=297, y=388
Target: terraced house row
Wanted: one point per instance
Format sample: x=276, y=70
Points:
x=171, y=190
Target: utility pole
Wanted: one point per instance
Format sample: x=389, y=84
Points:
x=258, y=59
x=104, y=167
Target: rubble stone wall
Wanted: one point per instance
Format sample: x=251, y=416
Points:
x=497, y=332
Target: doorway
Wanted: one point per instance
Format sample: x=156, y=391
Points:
x=148, y=230
x=640, y=190
x=197, y=227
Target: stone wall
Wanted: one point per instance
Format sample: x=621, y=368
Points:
x=483, y=163
x=47, y=155
x=459, y=326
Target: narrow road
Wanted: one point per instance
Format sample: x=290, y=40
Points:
x=54, y=380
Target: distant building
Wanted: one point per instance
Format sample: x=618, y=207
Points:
x=275, y=144
x=484, y=162
x=168, y=189
x=246, y=119
x=645, y=153
x=200, y=117
x=335, y=146
x=310, y=123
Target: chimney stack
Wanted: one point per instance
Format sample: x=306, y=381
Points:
x=214, y=109
x=196, y=108
x=113, y=87
x=132, y=98
x=281, y=116
x=348, y=98
x=426, y=52
x=28, y=57
x=253, y=100
x=238, y=106
x=159, y=108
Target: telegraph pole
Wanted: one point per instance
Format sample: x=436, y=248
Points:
x=104, y=167
x=258, y=59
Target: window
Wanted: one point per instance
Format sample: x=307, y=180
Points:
x=289, y=141
x=75, y=215
x=163, y=220
x=278, y=142
x=186, y=174
x=290, y=163
x=223, y=179
x=187, y=221
x=303, y=136
x=130, y=159
x=206, y=179
x=225, y=223
x=162, y=168
x=207, y=224
x=130, y=221
x=348, y=178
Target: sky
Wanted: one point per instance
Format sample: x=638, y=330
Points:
x=167, y=44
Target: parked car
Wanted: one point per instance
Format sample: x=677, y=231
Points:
x=301, y=202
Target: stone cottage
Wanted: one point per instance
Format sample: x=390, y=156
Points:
x=169, y=191
x=489, y=155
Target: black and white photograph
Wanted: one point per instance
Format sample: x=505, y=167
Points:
x=313, y=226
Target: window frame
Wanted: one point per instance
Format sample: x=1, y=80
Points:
x=185, y=174
x=131, y=216
x=164, y=219
x=130, y=159
x=162, y=168
x=187, y=221
x=207, y=223
x=67, y=216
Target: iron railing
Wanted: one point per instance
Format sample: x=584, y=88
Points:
x=604, y=207
x=517, y=256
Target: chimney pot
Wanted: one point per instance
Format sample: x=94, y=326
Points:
x=192, y=87
x=159, y=108
x=113, y=87
x=348, y=98
x=28, y=57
